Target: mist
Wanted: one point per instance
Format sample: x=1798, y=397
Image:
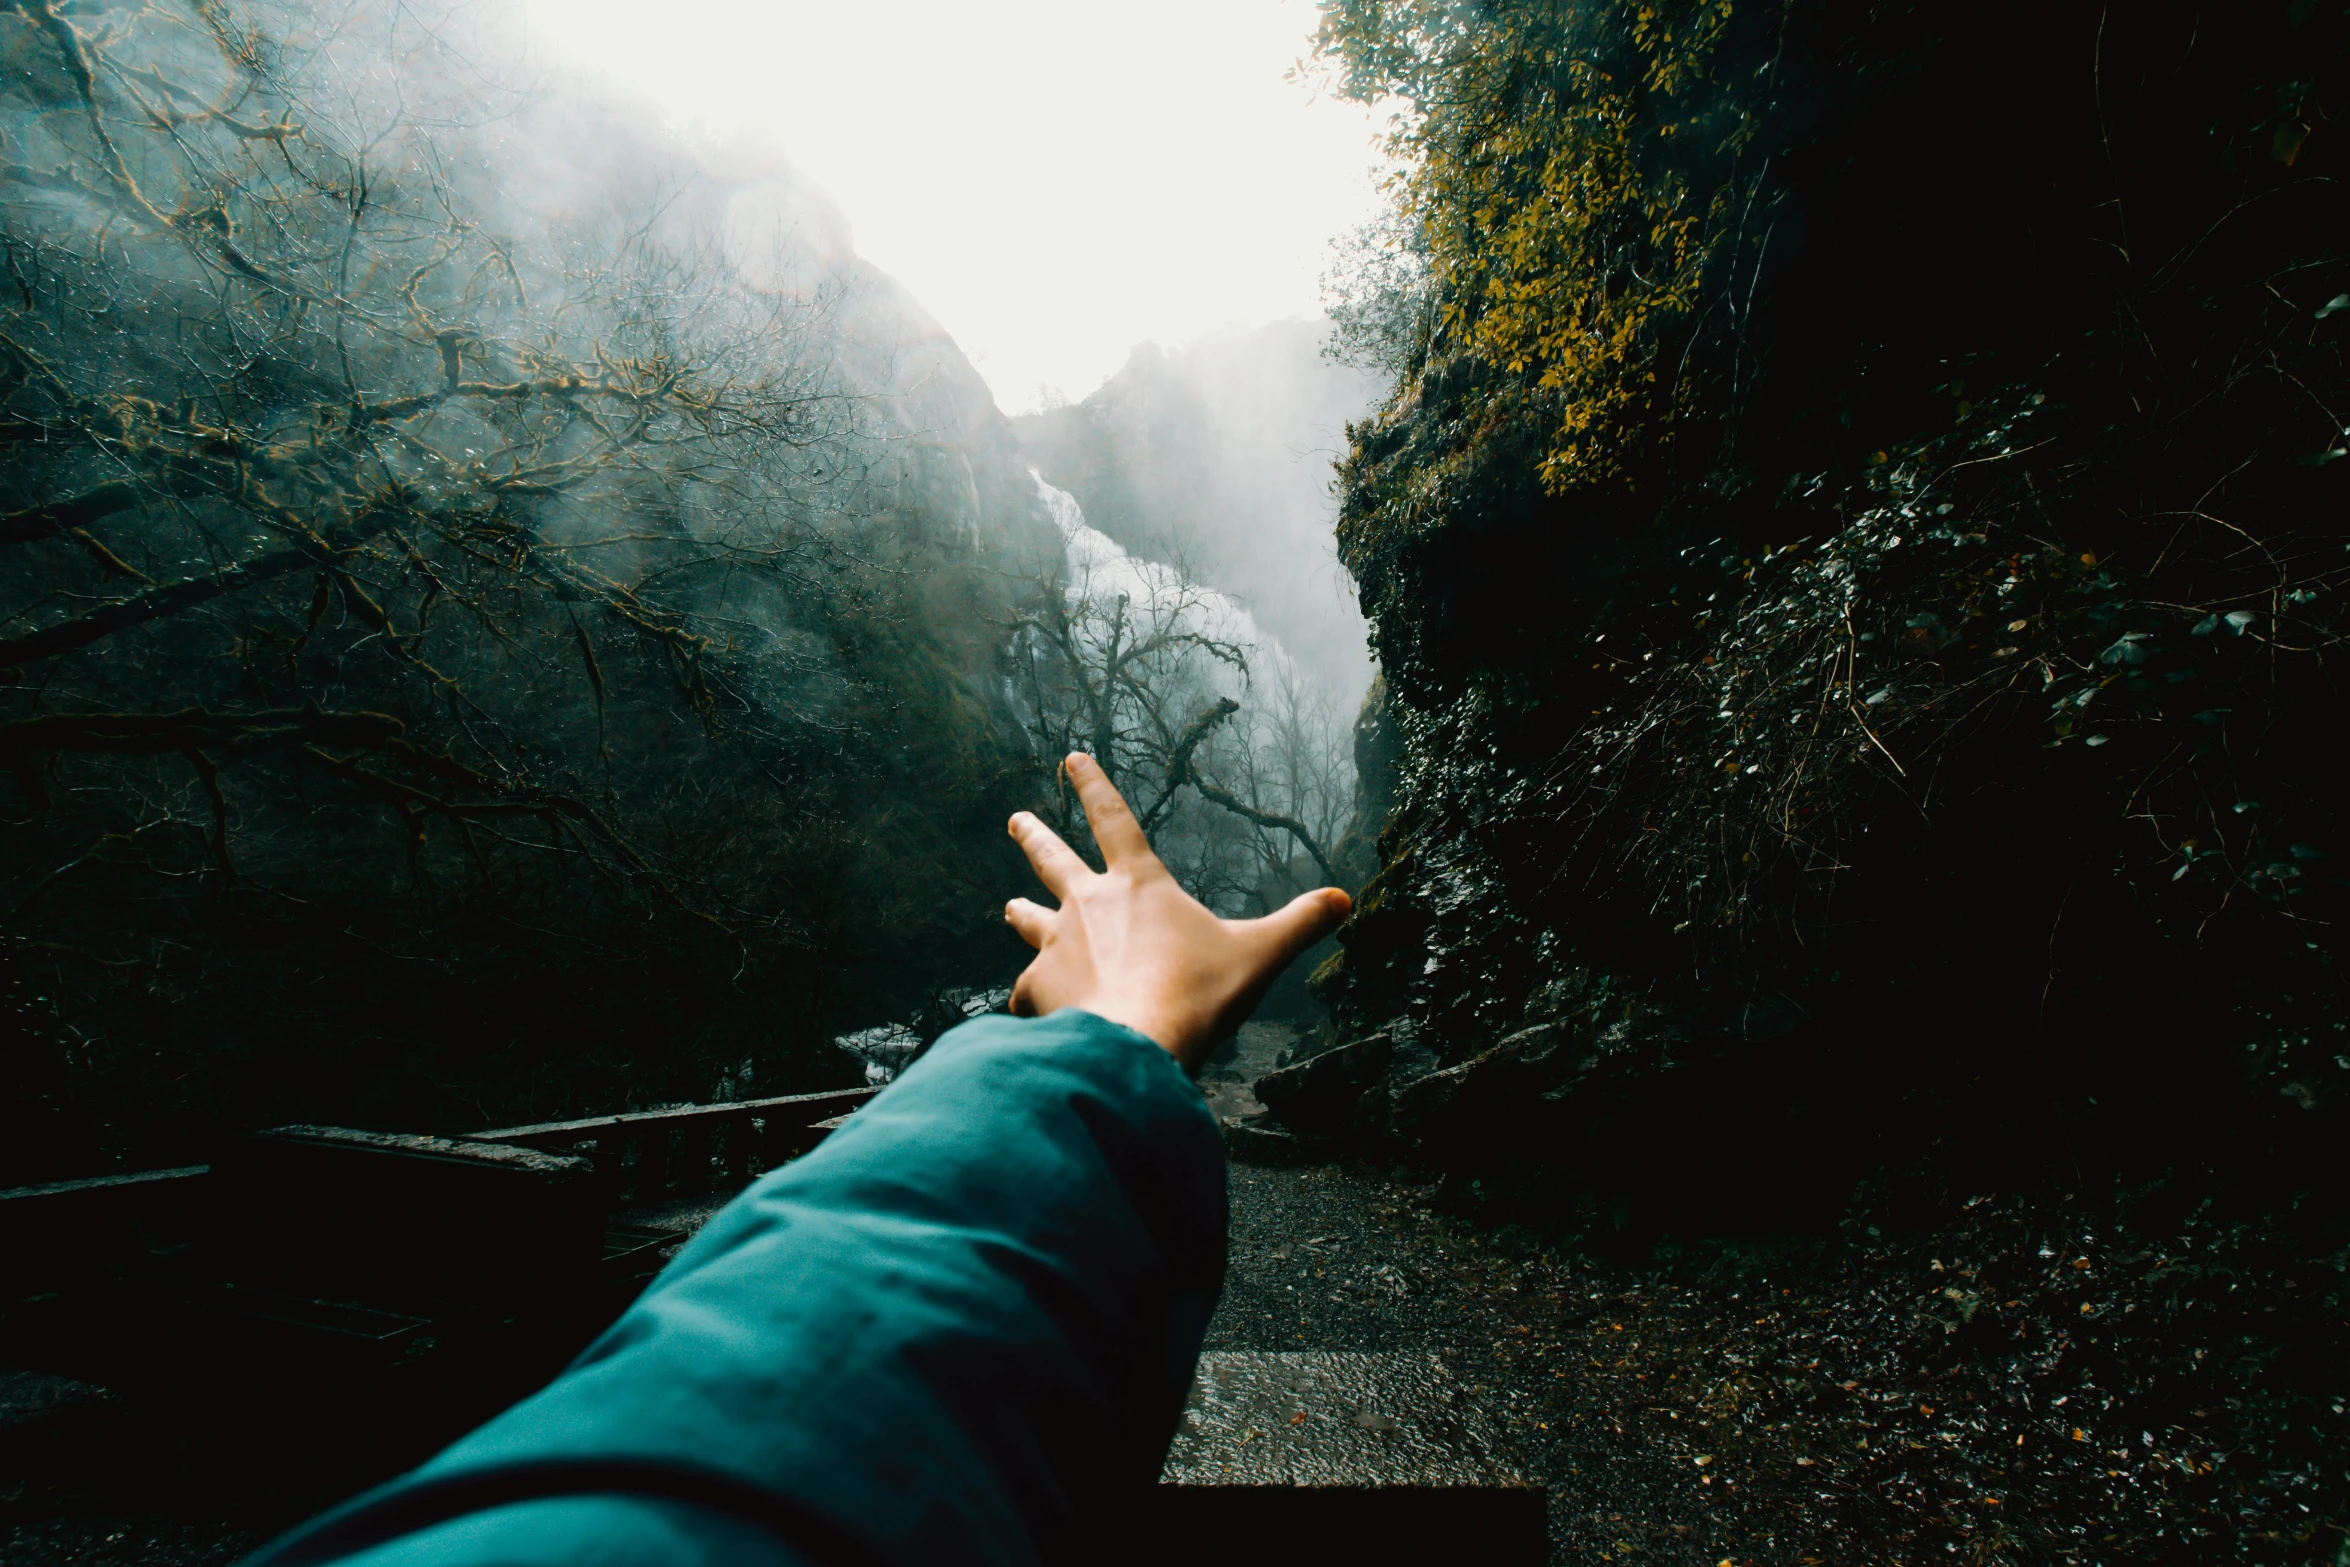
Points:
x=1219, y=455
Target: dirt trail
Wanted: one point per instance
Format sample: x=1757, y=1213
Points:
x=1331, y=1257
x=2029, y=1384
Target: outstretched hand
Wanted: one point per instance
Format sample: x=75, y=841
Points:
x=1129, y=945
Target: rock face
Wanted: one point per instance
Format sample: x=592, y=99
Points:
x=1317, y=1095
x=1409, y=1060
x=1447, y=1105
x=1943, y=888
x=1390, y=1088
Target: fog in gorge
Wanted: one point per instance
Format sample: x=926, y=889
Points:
x=1218, y=454
x=488, y=563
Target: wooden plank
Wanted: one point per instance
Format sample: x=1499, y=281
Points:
x=815, y=1106
x=421, y=1226
x=55, y=1232
x=468, y=1151
x=104, y=1183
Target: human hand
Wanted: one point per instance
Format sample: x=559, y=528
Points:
x=1129, y=945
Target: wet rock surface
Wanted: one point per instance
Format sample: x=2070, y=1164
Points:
x=1319, y=1094
x=1446, y=1106
x=1333, y=1417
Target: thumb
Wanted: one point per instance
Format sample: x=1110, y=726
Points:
x=1302, y=921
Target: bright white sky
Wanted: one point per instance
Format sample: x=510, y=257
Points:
x=1055, y=180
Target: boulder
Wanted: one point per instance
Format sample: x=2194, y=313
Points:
x=1247, y=1140
x=1407, y=1063
x=1526, y=1066
x=1318, y=1094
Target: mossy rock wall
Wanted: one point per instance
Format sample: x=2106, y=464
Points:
x=1856, y=557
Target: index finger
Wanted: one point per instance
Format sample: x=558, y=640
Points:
x=1056, y=864
x=1114, y=826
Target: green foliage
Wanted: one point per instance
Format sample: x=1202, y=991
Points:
x=1576, y=180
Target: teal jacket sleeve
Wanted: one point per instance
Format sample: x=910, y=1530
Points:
x=970, y=1313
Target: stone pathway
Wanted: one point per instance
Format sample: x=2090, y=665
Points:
x=2027, y=1384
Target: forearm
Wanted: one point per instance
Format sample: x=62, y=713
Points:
x=931, y=1339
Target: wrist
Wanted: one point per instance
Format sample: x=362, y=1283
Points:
x=1152, y=1023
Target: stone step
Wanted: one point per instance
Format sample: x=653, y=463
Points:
x=1345, y=1457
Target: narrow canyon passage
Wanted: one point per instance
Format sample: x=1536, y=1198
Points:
x=1771, y=626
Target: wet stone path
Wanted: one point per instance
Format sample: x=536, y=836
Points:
x=2029, y=1384
x=1331, y=1258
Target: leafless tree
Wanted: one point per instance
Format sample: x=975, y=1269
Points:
x=1138, y=664
x=413, y=491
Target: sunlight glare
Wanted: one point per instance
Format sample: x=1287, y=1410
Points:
x=1055, y=180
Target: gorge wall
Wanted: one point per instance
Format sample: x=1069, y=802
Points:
x=1855, y=549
